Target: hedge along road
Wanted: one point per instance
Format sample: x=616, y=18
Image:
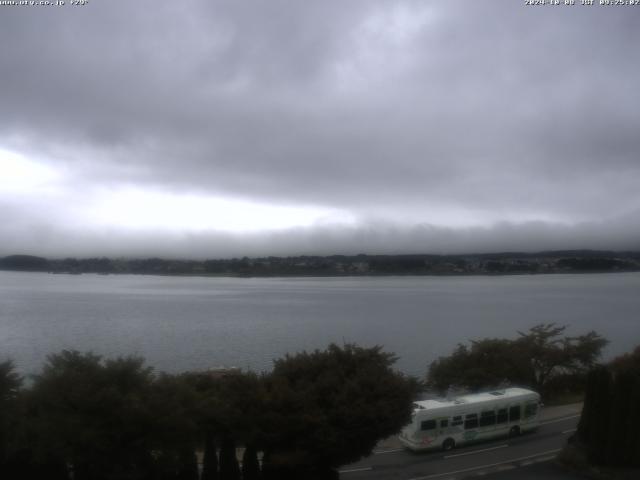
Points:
x=390, y=461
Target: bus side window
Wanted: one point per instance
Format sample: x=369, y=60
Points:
x=444, y=423
x=530, y=410
x=471, y=421
x=514, y=413
x=487, y=418
x=455, y=421
x=502, y=416
x=428, y=425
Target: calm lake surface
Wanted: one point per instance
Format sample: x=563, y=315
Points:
x=181, y=323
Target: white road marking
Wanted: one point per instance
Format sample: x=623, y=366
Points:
x=479, y=467
x=380, y=452
x=559, y=419
x=352, y=470
x=544, y=459
x=475, y=451
x=503, y=468
x=571, y=430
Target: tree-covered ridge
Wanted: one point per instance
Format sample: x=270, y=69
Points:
x=89, y=418
x=577, y=261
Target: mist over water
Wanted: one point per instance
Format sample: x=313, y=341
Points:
x=181, y=323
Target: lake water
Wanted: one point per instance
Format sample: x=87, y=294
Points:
x=181, y=323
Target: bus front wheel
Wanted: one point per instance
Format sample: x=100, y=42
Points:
x=514, y=432
x=448, y=444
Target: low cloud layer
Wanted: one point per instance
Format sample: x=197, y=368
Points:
x=331, y=127
x=344, y=239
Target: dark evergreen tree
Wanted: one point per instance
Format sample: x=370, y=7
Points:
x=250, y=464
x=210, y=459
x=600, y=416
x=585, y=425
x=625, y=431
x=188, y=464
x=37, y=467
x=633, y=423
x=229, y=468
x=10, y=383
x=619, y=443
x=173, y=405
x=610, y=422
x=232, y=403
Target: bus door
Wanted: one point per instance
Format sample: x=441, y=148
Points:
x=428, y=432
x=443, y=426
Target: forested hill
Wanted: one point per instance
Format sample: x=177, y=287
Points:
x=572, y=261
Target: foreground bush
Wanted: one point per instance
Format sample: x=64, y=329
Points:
x=329, y=408
x=88, y=418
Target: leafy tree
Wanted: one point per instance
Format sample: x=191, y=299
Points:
x=532, y=359
x=486, y=363
x=550, y=354
x=236, y=405
x=18, y=457
x=328, y=408
x=627, y=362
x=93, y=415
x=173, y=403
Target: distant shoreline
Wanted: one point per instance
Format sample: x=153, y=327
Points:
x=488, y=264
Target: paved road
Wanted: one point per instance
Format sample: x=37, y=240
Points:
x=547, y=470
x=389, y=463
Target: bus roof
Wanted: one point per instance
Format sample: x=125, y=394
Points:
x=472, y=398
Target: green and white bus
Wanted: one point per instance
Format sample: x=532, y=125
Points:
x=447, y=423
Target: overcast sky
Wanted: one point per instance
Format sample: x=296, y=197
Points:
x=220, y=128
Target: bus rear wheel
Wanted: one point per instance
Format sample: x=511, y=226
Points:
x=448, y=444
x=514, y=432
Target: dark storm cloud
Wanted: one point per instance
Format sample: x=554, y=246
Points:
x=394, y=111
